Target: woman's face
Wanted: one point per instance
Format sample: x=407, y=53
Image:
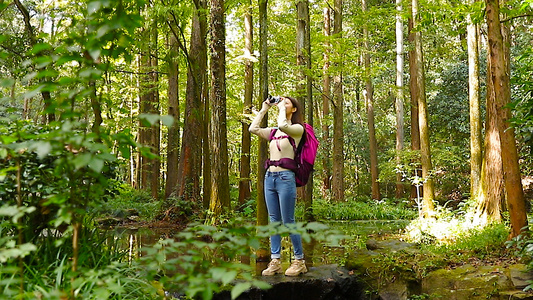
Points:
x=288, y=104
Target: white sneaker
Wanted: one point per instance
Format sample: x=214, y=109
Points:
x=274, y=267
x=297, y=267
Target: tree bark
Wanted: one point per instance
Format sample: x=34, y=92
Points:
x=188, y=186
x=144, y=108
x=155, y=131
x=415, y=128
x=326, y=98
x=425, y=153
x=369, y=100
x=48, y=116
x=244, y=181
x=174, y=111
x=220, y=199
x=500, y=79
x=261, y=210
x=338, y=103
x=476, y=155
x=305, y=87
x=262, y=214
x=399, y=96
x=491, y=193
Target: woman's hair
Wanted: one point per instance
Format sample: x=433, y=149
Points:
x=297, y=116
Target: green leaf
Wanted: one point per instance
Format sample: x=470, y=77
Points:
x=167, y=120
x=95, y=53
x=82, y=160
x=42, y=148
x=93, y=7
x=96, y=164
x=149, y=119
x=103, y=30
x=262, y=285
x=40, y=47
x=7, y=82
x=240, y=288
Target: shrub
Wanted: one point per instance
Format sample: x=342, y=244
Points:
x=360, y=210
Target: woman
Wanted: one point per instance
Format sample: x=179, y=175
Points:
x=280, y=183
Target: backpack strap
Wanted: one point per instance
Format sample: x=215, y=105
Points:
x=276, y=138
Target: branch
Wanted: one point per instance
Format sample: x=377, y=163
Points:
x=26, y=14
x=516, y=17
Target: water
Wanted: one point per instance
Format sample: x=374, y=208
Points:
x=316, y=253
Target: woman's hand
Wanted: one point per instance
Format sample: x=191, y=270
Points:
x=281, y=103
x=266, y=105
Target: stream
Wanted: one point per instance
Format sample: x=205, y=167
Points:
x=316, y=254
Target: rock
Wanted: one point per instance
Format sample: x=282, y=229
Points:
x=327, y=282
x=520, y=276
x=108, y=221
x=466, y=282
x=372, y=244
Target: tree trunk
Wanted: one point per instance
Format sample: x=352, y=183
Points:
x=399, y=96
x=499, y=75
x=476, y=156
x=261, y=210
x=490, y=194
x=206, y=157
x=144, y=108
x=369, y=100
x=48, y=116
x=305, y=88
x=174, y=111
x=326, y=98
x=262, y=214
x=244, y=181
x=188, y=186
x=220, y=200
x=155, y=131
x=425, y=153
x=415, y=128
x=338, y=103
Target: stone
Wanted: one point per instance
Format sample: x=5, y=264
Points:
x=327, y=282
x=520, y=276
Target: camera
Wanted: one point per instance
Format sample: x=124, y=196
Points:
x=273, y=99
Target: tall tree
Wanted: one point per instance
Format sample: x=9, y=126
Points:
x=326, y=98
x=32, y=35
x=338, y=108
x=220, y=199
x=188, y=186
x=244, y=181
x=425, y=153
x=149, y=104
x=261, y=209
x=415, y=128
x=305, y=85
x=174, y=111
x=155, y=131
x=491, y=193
x=500, y=80
x=369, y=100
x=399, y=95
x=476, y=157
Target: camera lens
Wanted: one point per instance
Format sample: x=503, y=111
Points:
x=273, y=99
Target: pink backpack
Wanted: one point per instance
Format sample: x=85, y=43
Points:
x=305, y=154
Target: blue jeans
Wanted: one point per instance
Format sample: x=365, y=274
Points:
x=280, y=197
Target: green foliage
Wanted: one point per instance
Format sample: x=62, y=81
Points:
x=207, y=260
x=467, y=245
x=488, y=242
x=522, y=95
x=126, y=199
x=360, y=210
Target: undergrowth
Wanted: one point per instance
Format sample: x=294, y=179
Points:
x=356, y=209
